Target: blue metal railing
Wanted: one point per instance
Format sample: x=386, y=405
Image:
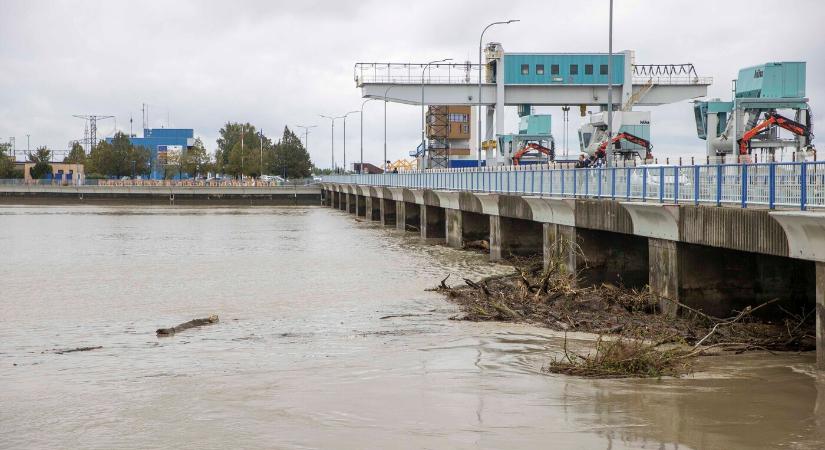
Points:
x=767, y=185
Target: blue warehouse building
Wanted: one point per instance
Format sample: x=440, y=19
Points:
x=158, y=141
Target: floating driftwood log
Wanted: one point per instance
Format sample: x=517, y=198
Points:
x=76, y=349
x=187, y=325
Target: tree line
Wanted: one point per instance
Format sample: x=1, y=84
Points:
x=242, y=150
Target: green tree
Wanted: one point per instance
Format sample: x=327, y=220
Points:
x=6, y=161
x=232, y=158
x=196, y=160
x=41, y=158
x=291, y=158
x=118, y=158
x=76, y=155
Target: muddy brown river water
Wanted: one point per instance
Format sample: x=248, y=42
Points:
x=302, y=357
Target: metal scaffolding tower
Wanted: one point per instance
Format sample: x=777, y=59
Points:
x=438, y=133
x=90, y=138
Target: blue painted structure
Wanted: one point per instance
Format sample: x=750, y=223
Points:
x=772, y=80
x=575, y=69
x=160, y=138
x=798, y=185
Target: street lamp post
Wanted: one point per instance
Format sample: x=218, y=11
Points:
x=361, y=167
x=609, y=153
x=345, y=137
x=480, y=41
x=423, y=129
x=306, y=135
x=332, y=141
x=261, y=137
x=387, y=91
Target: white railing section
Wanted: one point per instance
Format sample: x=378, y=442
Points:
x=799, y=185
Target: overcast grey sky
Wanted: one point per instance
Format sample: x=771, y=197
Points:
x=274, y=63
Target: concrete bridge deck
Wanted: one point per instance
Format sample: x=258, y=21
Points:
x=714, y=258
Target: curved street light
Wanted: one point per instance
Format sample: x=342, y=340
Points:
x=332, y=140
x=423, y=132
x=480, y=40
x=345, y=137
x=361, y=166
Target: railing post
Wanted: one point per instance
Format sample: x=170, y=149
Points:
x=772, y=185
x=744, y=175
x=696, y=181
x=599, y=188
x=644, y=184
x=627, y=176
x=541, y=181
x=561, y=191
x=613, y=183
x=676, y=177
x=575, y=181
x=803, y=186
x=661, y=184
x=719, y=185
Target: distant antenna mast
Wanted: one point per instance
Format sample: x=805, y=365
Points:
x=130, y=127
x=145, y=111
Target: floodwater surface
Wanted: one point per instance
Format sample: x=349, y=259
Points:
x=305, y=356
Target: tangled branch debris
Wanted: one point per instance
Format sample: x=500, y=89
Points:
x=550, y=297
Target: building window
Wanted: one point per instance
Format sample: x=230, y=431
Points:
x=554, y=69
x=603, y=69
x=574, y=69
x=461, y=118
x=525, y=69
x=539, y=69
x=588, y=69
x=465, y=128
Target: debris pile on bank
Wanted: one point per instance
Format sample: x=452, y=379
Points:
x=645, y=342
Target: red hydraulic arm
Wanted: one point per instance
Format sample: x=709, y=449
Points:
x=632, y=138
x=772, y=119
x=531, y=146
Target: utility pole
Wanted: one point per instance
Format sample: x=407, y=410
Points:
x=261, y=172
x=28, y=145
x=609, y=153
x=242, y=130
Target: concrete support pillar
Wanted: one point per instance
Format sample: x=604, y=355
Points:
x=664, y=274
x=372, y=208
x=454, y=228
x=400, y=215
x=432, y=222
x=559, y=245
x=388, y=212
x=348, y=204
x=360, y=206
x=820, y=315
x=510, y=236
x=368, y=207
x=495, y=238
x=412, y=216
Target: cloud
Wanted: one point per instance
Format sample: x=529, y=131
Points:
x=200, y=64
